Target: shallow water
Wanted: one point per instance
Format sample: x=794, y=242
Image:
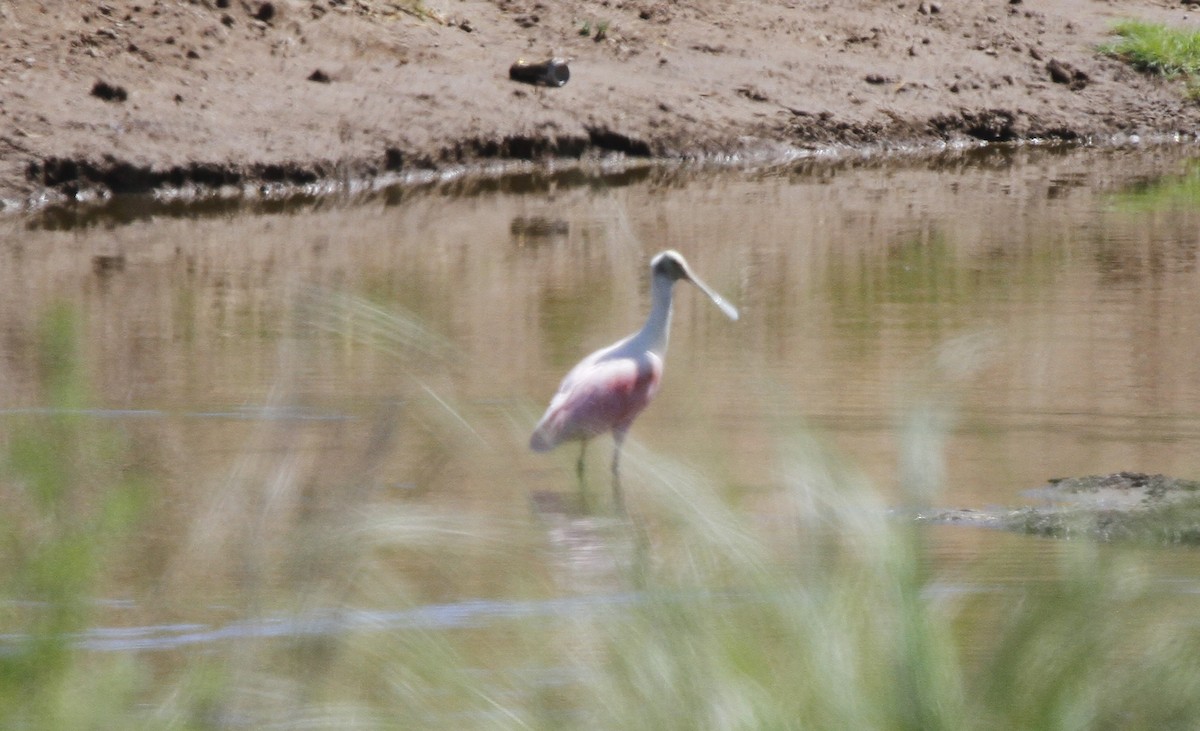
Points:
x=295, y=370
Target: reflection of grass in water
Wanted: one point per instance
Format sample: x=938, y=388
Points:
x=1175, y=193
x=822, y=614
x=920, y=282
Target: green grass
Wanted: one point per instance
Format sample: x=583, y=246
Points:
x=1155, y=48
x=68, y=498
x=850, y=632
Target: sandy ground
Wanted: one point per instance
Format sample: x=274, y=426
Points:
x=141, y=95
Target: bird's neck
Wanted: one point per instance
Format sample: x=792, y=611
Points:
x=655, y=333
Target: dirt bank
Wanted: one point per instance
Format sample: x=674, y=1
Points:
x=136, y=95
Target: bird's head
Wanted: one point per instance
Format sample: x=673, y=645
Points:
x=671, y=266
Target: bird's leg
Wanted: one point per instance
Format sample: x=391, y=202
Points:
x=618, y=496
x=583, y=496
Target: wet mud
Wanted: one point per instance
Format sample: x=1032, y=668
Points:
x=140, y=96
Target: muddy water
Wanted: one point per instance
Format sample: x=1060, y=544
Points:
x=290, y=373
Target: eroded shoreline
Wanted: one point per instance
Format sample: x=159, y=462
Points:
x=164, y=97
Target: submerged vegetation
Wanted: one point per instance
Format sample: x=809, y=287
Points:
x=830, y=615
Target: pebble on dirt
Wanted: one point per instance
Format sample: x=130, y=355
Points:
x=1064, y=73
x=109, y=92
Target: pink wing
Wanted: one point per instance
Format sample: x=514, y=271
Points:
x=598, y=397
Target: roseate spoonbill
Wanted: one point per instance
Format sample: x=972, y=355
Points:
x=610, y=387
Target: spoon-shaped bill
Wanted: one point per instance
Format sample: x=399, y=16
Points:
x=729, y=310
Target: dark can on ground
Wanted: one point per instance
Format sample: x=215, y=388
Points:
x=551, y=72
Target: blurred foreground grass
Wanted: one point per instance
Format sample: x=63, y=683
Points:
x=824, y=614
x=67, y=500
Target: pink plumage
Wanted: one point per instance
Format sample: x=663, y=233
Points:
x=598, y=397
x=610, y=387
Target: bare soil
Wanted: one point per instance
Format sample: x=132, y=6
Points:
x=136, y=96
